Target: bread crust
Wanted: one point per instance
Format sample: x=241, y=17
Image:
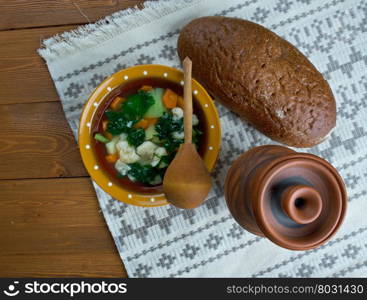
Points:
x=261, y=77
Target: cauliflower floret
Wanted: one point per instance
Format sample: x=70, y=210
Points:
x=155, y=161
x=195, y=120
x=122, y=168
x=158, y=153
x=127, y=152
x=120, y=145
x=146, y=150
x=123, y=136
x=178, y=135
x=111, y=146
x=177, y=113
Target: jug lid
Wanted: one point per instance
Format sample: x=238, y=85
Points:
x=300, y=201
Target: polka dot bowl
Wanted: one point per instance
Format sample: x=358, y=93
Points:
x=94, y=107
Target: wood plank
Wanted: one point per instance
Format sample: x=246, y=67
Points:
x=36, y=142
x=89, y=264
x=53, y=227
x=24, y=77
x=25, y=13
x=20, y=64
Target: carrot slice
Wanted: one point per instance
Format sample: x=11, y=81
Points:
x=146, y=122
x=146, y=88
x=116, y=103
x=151, y=121
x=105, y=132
x=143, y=123
x=180, y=102
x=104, y=125
x=108, y=135
x=112, y=158
x=170, y=99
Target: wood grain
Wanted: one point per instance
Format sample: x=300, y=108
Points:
x=48, y=226
x=36, y=142
x=35, y=13
x=89, y=264
x=53, y=227
x=24, y=77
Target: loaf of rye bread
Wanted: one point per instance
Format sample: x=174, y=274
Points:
x=261, y=77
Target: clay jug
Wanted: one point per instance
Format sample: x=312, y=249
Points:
x=297, y=200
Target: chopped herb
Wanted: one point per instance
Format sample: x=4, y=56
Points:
x=168, y=158
x=118, y=126
x=144, y=174
x=172, y=144
x=113, y=115
x=166, y=125
x=136, y=137
x=137, y=105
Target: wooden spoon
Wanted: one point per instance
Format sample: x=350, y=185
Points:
x=187, y=181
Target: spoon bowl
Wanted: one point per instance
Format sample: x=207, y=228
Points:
x=185, y=186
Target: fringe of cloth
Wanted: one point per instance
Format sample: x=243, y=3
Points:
x=92, y=35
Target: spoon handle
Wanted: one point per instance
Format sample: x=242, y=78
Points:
x=187, y=66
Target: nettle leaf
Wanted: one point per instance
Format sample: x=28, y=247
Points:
x=167, y=125
x=144, y=174
x=136, y=137
x=137, y=105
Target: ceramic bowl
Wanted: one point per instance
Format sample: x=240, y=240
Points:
x=96, y=105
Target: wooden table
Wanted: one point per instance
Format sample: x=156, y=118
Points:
x=50, y=223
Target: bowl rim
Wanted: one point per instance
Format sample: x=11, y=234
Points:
x=99, y=95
